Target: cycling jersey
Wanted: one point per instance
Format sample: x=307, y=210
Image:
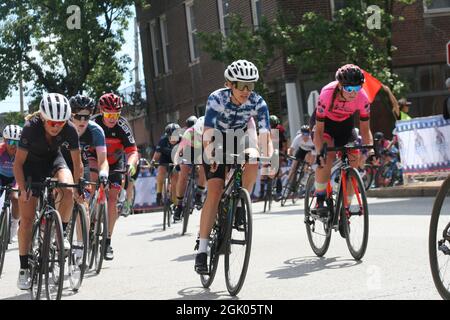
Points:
x=119, y=139
x=6, y=162
x=39, y=149
x=165, y=148
x=222, y=114
x=342, y=110
x=91, y=140
x=299, y=142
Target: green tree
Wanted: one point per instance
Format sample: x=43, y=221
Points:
x=244, y=42
x=40, y=42
x=14, y=118
x=317, y=45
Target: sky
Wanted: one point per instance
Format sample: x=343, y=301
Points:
x=11, y=103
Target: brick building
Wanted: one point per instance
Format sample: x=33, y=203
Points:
x=179, y=76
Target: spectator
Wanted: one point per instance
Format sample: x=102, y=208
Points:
x=400, y=108
x=446, y=109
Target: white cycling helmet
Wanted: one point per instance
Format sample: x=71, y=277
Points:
x=55, y=106
x=12, y=132
x=241, y=70
x=199, y=124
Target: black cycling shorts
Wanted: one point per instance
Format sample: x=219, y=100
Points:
x=115, y=177
x=39, y=171
x=340, y=132
x=301, y=154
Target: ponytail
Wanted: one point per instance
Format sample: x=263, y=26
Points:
x=31, y=115
x=335, y=92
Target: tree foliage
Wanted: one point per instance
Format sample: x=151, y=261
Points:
x=38, y=44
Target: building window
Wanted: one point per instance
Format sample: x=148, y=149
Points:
x=156, y=50
x=224, y=16
x=436, y=6
x=256, y=12
x=165, y=42
x=337, y=5
x=192, y=31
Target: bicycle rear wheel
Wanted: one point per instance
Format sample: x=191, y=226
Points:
x=356, y=217
x=5, y=219
x=287, y=191
x=213, y=254
x=53, y=257
x=35, y=257
x=439, y=240
x=166, y=202
x=99, y=234
x=188, y=205
x=238, y=246
x=317, y=229
x=78, y=239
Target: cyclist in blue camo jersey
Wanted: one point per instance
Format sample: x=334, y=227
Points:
x=230, y=108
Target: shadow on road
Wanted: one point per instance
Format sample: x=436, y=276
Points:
x=200, y=293
x=187, y=257
x=24, y=296
x=166, y=237
x=304, y=266
x=140, y=233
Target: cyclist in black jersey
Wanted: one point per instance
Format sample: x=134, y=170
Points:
x=38, y=157
x=119, y=140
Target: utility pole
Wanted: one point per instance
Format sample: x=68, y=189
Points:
x=136, y=59
x=21, y=90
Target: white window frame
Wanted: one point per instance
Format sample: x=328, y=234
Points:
x=222, y=17
x=154, y=42
x=440, y=11
x=255, y=17
x=165, y=41
x=191, y=32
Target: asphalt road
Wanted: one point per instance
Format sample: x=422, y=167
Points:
x=154, y=264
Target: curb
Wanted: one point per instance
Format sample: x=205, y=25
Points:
x=402, y=191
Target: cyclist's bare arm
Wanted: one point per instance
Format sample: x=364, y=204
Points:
x=102, y=161
x=21, y=156
x=365, y=132
x=77, y=164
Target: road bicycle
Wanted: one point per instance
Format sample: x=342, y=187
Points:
x=439, y=240
x=5, y=223
x=347, y=205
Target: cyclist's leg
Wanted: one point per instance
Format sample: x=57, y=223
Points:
x=215, y=184
x=201, y=184
x=173, y=185
x=113, y=196
x=323, y=176
x=185, y=170
x=162, y=171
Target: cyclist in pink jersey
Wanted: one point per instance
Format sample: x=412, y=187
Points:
x=334, y=122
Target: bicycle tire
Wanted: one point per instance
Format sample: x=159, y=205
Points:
x=76, y=271
x=102, y=235
x=433, y=236
x=92, y=242
x=234, y=288
x=35, y=258
x=286, y=192
x=166, y=202
x=356, y=252
x=5, y=220
x=368, y=177
x=187, y=207
x=53, y=253
x=295, y=193
x=266, y=194
x=207, y=279
x=310, y=223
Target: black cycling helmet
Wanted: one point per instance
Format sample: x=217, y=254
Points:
x=378, y=135
x=191, y=121
x=274, y=121
x=80, y=102
x=304, y=128
x=350, y=75
x=170, y=128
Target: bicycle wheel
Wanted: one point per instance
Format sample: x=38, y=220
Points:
x=133, y=199
x=318, y=230
x=53, y=257
x=367, y=176
x=166, y=202
x=78, y=239
x=92, y=241
x=266, y=194
x=35, y=257
x=238, y=246
x=287, y=190
x=296, y=186
x=356, y=217
x=213, y=254
x=439, y=240
x=5, y=219
x=101, y=236
x=187, y=205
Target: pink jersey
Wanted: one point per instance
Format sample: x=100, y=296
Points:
x=342, y=110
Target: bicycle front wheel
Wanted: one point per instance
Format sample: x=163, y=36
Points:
x=187, y=205
x=355, y=217
x=78, y=239
x=53, y=257
x=35, y=257
x=238, y=245
x=439, y=240
x=4, y=235
x=318, y=230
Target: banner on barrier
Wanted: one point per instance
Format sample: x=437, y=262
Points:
x=424, y=144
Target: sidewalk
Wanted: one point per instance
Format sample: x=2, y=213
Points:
x=417, y=189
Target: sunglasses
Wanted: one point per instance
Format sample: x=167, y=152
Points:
x=54, y=124
x=352, y=88
x=82, y=117
x=12, y=142
x=242, y=85
x=108, y=115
